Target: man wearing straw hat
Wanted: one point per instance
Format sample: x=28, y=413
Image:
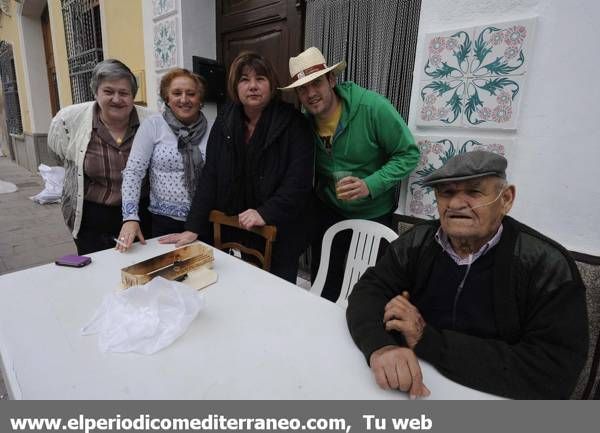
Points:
x=363, y=150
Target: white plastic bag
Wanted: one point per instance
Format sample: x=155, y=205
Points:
x=53, y=184
x=144, y=319
x=7, y=187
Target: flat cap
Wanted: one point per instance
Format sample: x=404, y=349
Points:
x=469, y=165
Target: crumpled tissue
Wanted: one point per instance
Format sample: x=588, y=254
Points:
x=146, y=318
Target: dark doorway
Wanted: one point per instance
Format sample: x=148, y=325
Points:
x=273, y=28
x=51, y=69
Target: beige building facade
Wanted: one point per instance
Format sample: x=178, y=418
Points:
x=47, y=51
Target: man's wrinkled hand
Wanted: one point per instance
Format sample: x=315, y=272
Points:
x=402, y=316
x=397, y=367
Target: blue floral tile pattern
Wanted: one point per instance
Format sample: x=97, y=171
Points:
x=435, y=151
x=165, y=43
x=162, y=7
x=474, y=77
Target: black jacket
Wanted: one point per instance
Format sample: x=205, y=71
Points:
x=539, y=308
x=282, y=179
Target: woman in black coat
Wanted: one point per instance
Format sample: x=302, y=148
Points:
x=259, y=166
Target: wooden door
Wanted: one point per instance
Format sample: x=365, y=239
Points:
x=273, y=28
x=50, y=68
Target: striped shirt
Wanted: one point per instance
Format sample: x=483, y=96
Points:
x=105, y=159
x=442, y=238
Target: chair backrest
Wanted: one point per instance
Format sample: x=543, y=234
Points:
x=269, y=233
x=403, y=227
x=364, y=245
x=588, y=385
x=406, y=222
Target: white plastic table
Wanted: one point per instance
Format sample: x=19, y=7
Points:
x=258, y=337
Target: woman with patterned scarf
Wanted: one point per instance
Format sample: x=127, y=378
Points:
x=167, y=147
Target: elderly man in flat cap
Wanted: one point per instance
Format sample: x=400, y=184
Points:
x=363, y=150
x=491, y=303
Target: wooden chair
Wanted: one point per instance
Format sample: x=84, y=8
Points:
x=269, y=233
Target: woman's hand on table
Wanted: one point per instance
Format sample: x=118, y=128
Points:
x=129, y=231
x=251, y=218
x=179, y=239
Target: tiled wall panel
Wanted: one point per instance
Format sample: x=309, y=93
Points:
x=474, y=77
x=435, y=151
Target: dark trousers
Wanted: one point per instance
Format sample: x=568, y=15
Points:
x=323, y=218
x=164, y=225
x=100, y=224
x=287, y=249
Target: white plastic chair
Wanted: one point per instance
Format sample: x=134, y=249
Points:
x=366, y=236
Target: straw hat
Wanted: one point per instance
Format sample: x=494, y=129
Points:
x=309, y=65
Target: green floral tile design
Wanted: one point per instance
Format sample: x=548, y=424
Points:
x=474, y=77
x=165, y=43
x=162, y=7
x=435, y=151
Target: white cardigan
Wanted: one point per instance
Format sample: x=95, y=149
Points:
x=69, y=135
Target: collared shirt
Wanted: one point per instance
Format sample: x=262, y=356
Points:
x=442, y=239
x=105, y=159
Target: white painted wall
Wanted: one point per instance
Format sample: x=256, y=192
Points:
x=196, y=37
x=151, y=88
x=199, y=36
x=198, y=24
x=104, y=26
x=555, y=163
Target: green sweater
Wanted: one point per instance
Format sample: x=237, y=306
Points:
x=373, y=142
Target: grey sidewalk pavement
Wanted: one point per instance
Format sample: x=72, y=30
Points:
x=30, y=234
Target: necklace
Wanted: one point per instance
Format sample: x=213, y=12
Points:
x=117, y=137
